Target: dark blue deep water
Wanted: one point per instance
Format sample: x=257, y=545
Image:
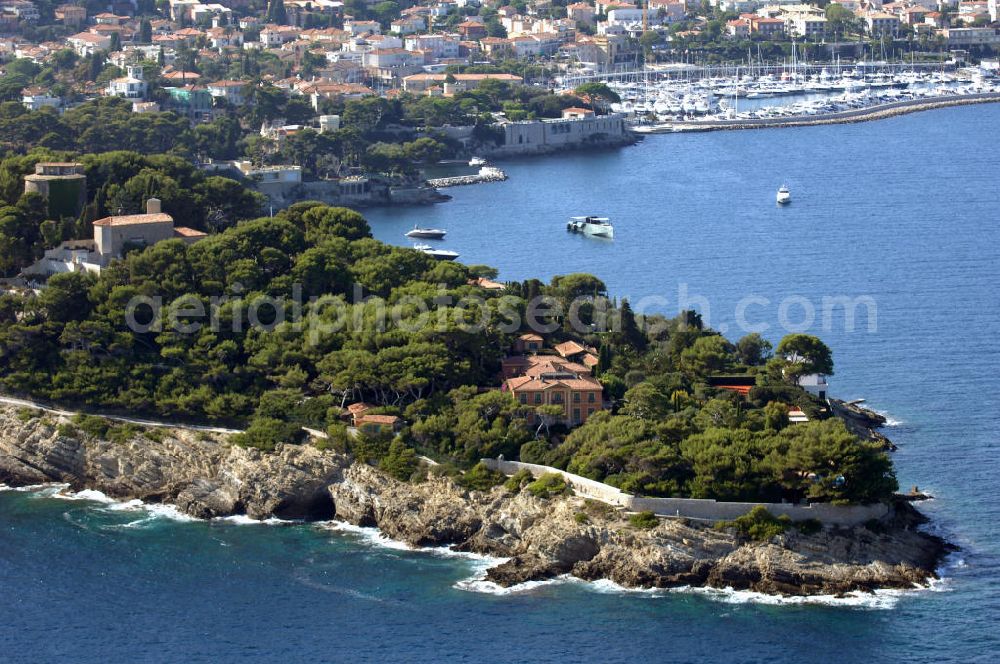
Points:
x=903, y=211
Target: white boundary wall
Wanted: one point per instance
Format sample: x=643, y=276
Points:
x=696, y=508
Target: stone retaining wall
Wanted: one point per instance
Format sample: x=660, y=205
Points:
x=695, y=508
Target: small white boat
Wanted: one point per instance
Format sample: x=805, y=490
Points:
x=594, y=226
x=439, y=254
x=427, y=233
x=784, y=196
x=477, y=161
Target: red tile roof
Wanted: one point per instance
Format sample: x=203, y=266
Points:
x=130, y=219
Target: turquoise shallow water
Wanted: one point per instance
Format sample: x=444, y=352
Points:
x=903, y=211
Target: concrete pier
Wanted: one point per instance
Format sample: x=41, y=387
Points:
x=485, y=174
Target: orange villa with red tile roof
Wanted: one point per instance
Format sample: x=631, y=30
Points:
x=554, y=380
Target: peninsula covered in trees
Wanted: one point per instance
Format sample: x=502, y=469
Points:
x=665, y=426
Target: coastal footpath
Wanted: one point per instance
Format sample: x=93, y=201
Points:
x=539, y=538
x=878, y=112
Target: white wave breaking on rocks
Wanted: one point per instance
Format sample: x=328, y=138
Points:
x=244, y=520
x=890, y=421
x=480, y=563
x=153, y=511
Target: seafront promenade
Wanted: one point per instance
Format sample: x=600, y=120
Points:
x=876, y=112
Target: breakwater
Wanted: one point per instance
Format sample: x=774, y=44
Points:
x=485, y=174
x=876, y=112
x=696, y=508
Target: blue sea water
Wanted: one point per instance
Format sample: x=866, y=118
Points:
x=903, y=211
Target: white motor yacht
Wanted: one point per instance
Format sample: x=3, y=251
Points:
x=595, y=226
x=784, y=196
x=427, y=233
x=439, y=254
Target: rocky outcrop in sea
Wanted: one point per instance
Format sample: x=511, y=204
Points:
x=205, y=476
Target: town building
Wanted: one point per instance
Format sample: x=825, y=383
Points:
x=88, y=43
x=130, y=86
x=34, y=98
x=553, y=384
x=453, y=83
x=971, y=36
x=62, y=184
x=529, y=342
x=72, y=16
x=192, y=101
x=530, y=136
x=112, y=237
x=231, y=91
x=114, y=234
x=881, y=23
x=814, y=384
x=372, y=424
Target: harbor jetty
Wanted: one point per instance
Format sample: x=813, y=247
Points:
x=876, y=112
x=485, y=174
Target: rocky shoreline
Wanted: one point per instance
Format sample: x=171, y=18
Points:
x=539, y=538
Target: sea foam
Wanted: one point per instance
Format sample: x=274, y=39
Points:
x=244, y=520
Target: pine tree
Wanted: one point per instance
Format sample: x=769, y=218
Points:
x=276, y=12
x=629, y=330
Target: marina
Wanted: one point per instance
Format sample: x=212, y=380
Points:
x=797, y=92
x=862, y=113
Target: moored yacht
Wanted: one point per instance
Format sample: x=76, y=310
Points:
x=439, y=254
x=784, y=196
x=595, y=226
x=427, y=233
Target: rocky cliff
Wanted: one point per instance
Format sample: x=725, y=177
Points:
x=540, y=538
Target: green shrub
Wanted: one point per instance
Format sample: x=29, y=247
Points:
x=155, y=434
x=369, y=448
x=517, y=480
x=338, y=439
x=27, y=414
x=596, y=508
x=535, y=451
x=446, y=469
x=481, y=478
x=548, y=485
x=758, y=524
x=122, y=433
x=68, y=431
x=93, y=426
x=644, y=520
x=581, y=518
x=399, y=461
x=264, y=433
